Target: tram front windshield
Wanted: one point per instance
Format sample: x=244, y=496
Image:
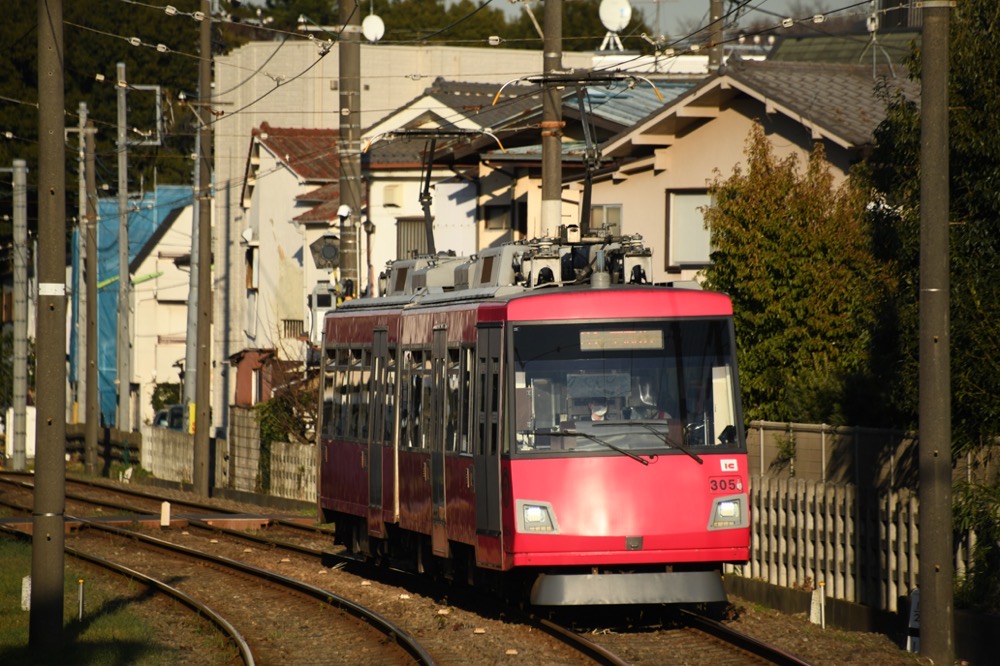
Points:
x=626, y=387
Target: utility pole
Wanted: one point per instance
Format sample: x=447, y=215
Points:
x=936, y=564
x=715, y=53
x=18, y=427
x=552, y=123
x=93, y=413
x=48, y=524
x=80, y=322
x=188, y=386
x=350, y=140
x=124, y=279
x=203, y=402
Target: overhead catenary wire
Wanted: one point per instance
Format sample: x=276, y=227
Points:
x=168, y=51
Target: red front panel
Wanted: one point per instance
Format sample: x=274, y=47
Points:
x=619, y=303
x=600, y=502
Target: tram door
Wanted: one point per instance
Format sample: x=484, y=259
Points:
x=376, y=431
x=486, y=442
x=439, y=360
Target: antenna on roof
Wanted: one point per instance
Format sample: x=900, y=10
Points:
x=372, y=27
x=615, y=15
x=873, y=44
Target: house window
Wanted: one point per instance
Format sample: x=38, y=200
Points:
x=608, y=216
x=497, y=217
x=256, y=385
x=688, y=240
x=252, y=267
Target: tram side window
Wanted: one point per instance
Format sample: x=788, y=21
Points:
x=390, y=395
x=427, y=402
x=453, y=402
x=465, y=384
x=495, y=408
x=481, y=413
x=329, y=392
x=354, y=395
x=404, y=400
x=414, y=416
x=364, y=393
x=340, y=389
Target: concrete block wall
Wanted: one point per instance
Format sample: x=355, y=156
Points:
x=244, y=450
x=167, y=454
x=293, y=471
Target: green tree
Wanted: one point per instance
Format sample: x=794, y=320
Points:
x=7, y=371
x=467, y=22
x=794, y=253
x=974, y=238
x=95, y=38
x=974, y=165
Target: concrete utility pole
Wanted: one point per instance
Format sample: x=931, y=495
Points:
x=47, y=540
x=552, y=123
x=124, y=279
x=93, y=414
x=80, y=322
x=715, y=52
x=188, y=386
x=936, y=564
x=18, y=429
x=350, y=140
x=203, y=402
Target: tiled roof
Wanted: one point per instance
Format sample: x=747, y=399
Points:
x=625, y=105
x=841, y=103
x=311, y=153
x=849, y=49
x=324, y=212
x=474, y=101
x=840, y=100
x=328, y=192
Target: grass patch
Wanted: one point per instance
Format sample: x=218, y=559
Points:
x=121, y=622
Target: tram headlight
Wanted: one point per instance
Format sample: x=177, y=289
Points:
x=728, y=513
x=535, y=517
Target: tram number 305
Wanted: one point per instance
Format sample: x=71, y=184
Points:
x=725, y=484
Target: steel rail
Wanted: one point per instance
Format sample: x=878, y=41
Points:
x=390, y=629
x=592, y=650
x=230, y=632
x=752, y=645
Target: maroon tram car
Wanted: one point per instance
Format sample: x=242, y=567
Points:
x=505, y=424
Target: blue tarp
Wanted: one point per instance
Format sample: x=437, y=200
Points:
x=144, y=218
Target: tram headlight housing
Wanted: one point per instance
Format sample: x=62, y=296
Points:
x=728, y=513
x=536, y=517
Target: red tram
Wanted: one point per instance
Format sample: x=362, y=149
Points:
x=539, y=416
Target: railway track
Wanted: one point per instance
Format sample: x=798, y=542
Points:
x=679, y=636
x=289, y=545
x=269, y=617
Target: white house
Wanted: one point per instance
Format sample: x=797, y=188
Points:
x=161, y=282
x=294, y=84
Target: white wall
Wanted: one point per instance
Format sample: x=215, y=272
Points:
x=159, y=322
x=693, y=161
x=245, y=84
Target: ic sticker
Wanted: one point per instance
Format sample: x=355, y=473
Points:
x=729, y=465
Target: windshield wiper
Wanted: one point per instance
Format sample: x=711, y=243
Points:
x=603, y=443
x=648, y=425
